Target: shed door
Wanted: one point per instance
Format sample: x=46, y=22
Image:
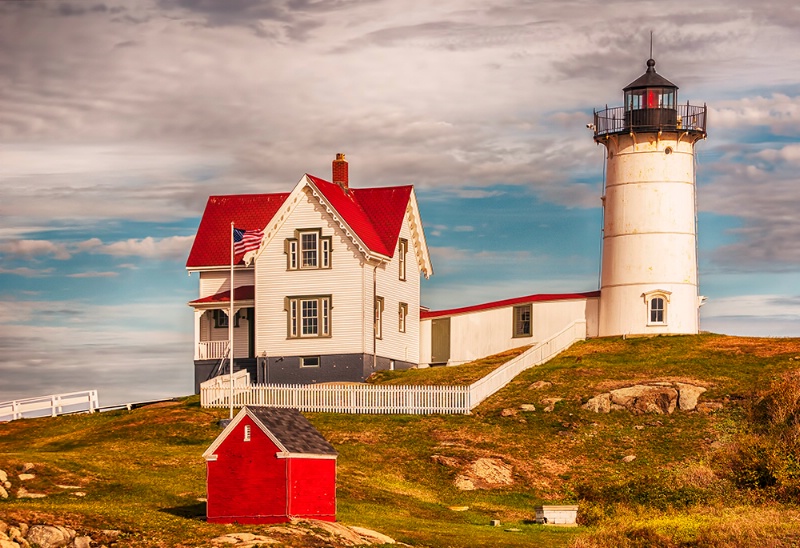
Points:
x=440, y=340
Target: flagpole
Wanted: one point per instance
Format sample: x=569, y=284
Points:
x=230, y=326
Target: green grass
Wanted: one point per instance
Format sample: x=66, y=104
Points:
x=143, y=471
x=464, y=374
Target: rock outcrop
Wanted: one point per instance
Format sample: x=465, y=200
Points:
x=661, y=398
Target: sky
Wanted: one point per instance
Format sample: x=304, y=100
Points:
x=119, y=118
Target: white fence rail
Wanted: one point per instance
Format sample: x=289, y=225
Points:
x=386, y=399
x=536, y=355
x=356, y=398
x=54, y=404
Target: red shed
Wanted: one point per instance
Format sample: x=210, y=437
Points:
x=270, y=465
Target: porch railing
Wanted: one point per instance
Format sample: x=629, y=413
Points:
x=386, y=399
x=52, y=405
x=212, y=350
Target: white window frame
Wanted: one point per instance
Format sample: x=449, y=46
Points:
x=379, y=303
x=402, y=311
x=298, y=316
x=650, y=299
x=246, y=432
x=402, y=252
x=308, y=244
x=308, y=361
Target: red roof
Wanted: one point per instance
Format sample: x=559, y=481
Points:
x=374, y=214
x=242, y=293
x=507, y=302
x=212, y=245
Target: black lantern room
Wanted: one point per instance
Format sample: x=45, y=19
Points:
x=651, y=104
x=650, y=101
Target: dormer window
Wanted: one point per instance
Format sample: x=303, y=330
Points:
x=657, y=303
x=308, y=250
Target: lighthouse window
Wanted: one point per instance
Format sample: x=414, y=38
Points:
x=657, y=310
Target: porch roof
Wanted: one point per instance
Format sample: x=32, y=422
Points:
x=241, y=293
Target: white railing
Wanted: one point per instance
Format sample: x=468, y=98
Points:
x=385, y=399
x=212, y=350
x=55, y=404
x=355, y=398
x=536, y=355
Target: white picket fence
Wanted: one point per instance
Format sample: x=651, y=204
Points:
x=53, y=404
x=386, y=399
x=337, y=398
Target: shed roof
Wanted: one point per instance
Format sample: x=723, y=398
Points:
x=286, y=427
x=292, y=430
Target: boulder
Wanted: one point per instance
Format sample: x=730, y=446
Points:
x=538, y=385
x=628, y=458
x=26, y=477
x=8, y=543
x=3, y=476
x=688, y=395
x=3, y=527
x=48, y=536
x=82, y=542
x=641, y=399
x=550, y=404
x=527, y=407
x=599, y=404
x=3, y=493
x=373, y=536
x=508, y=412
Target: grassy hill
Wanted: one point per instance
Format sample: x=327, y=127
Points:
x=729, y=476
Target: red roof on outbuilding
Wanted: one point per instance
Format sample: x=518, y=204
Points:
x=507, y=302
x=374, y=214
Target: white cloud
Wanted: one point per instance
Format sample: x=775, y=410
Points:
x=35, y=248
x=94, y=274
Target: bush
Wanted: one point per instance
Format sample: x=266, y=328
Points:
x=766, y=454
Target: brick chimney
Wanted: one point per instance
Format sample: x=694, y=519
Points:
x=340, y=176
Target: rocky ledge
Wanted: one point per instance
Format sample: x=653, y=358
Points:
x=661, y=398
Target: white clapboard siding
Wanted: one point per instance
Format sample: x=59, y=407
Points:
x=392, y=399
x=218, y=281
x=241, y=344
x=394, y=344
x=54, y=404
x=343, y=281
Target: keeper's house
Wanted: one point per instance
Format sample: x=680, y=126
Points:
x=331, y=294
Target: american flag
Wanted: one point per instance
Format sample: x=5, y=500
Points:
x=246, y=240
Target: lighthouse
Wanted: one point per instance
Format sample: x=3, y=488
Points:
x=648, y=280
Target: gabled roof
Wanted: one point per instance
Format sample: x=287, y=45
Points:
x=375, y=215
x=242, y=293
x=212, y=245
x=423, y=314
x=287, y=428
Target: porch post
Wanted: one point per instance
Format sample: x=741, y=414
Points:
x=198, y=314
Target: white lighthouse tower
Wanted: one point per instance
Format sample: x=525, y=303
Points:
x=648, y=282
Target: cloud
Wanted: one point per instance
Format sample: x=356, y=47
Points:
x=94, y=275
x=754, y=315
x=165, y=248
x=35, y=248
x=27, y=272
